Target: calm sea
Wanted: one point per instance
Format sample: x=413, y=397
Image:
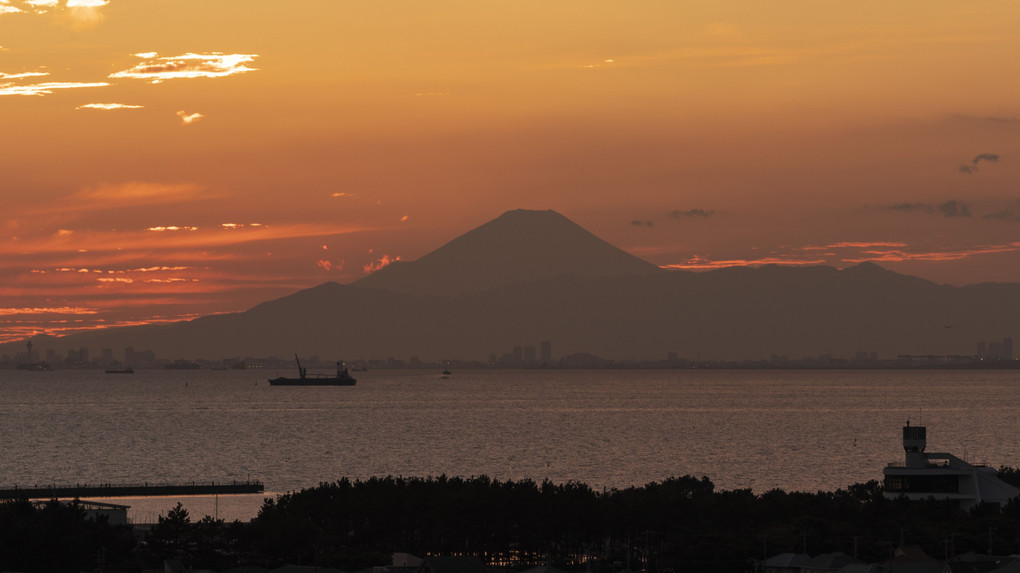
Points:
x=796, y=430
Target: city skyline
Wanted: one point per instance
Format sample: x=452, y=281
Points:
x=168, y=160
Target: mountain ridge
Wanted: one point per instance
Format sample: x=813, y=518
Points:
x=725, y=314
x=518, y=246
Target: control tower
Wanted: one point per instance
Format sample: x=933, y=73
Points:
x=942, y=476
x=915, y=440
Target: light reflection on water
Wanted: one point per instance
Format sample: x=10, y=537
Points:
x=796, y=430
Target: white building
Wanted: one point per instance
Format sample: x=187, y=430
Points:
x=942, y=476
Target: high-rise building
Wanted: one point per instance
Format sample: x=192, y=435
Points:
x=995, y=350
x=529, y=354
x=1007, y=348
x=545, y=352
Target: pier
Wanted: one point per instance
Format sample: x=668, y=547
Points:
x=131, y=490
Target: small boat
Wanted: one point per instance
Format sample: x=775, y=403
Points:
x=446, y=372
x=342, y=378
x=121, y=371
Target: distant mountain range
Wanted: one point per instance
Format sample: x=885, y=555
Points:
x=531, y=276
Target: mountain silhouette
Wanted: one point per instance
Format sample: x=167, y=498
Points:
x=532, y=276
x=517, y=247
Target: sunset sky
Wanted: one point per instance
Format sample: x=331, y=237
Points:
x=164, y=159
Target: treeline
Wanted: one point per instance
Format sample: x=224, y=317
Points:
x=679, y=524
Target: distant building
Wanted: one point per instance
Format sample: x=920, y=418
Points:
x=134, y=357
x=1002, y=350
x=529, y=354
x=545, y=352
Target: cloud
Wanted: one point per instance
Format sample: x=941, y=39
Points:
x=951, y=208
x=385, y=261
x=212, y=65
x=188, y=118
x=1004, y=215
x=697, y=263
x=691, y=213
x=954, y=208
x=109, y=106
x=638, y=223
x=328, y=265
x=853, y=245
x=973, y=166
x=912, y=207
x=946, y=255
x=47, y=310
x=22, y=75
x=45, y=88
x=138, y=192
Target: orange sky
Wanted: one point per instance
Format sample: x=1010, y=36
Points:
x=172, y=158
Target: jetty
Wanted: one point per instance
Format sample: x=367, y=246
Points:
x=145, y=489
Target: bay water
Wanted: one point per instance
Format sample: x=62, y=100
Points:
x=803, y=430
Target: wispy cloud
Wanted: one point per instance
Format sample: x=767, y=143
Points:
x=700, y=213
x=639, y=223
x=384, y=261
x=171, y=228
x=1004, y=215
x=934, y=255
x=188, y=118
x=22, y=75
x=916, y=207
x=109, y=106
x=328, y=265
x=45, y=88
x=158, y=69
x=954, y=208
x=967, y=169
x=699, y=263
x=47, y=310
x=139, y=192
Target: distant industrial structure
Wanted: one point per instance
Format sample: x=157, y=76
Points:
x=989, y=355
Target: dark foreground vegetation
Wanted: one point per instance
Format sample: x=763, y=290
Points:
x=680, y=524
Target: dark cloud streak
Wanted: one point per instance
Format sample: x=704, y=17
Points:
x=973, y=167
x=691, y=213
x=954, y=208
